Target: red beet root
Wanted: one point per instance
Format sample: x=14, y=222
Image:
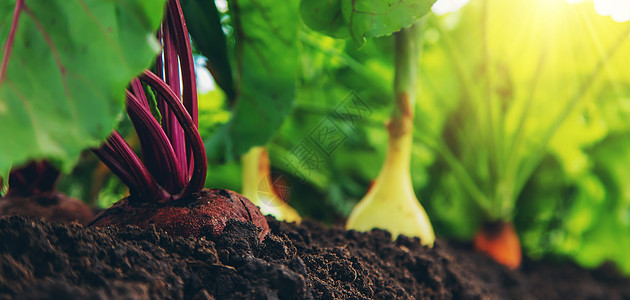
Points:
x=32, y=193
x=205, y=212
x=54, y=207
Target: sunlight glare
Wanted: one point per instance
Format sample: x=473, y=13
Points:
x=205, y=82
x=445, y=6
x=618, y=10
x=222, y=5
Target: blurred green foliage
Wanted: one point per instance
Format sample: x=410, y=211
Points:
x=264, y=64
x=534, y=126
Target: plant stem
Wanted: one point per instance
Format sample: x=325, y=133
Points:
x=400, y=126
x=493, y=159
x=157, y=153
x=123, y=161
x=191, y=133
x=184, y=51
x=472, y=94
x=508, y=196
x=391, y=202
x=8, y=45
x=172, y=78
x=175, y=162
x=187, y=68
x=401, y=123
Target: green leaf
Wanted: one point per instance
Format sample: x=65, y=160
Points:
x=155, y=111
x=68, y=69
x=362, y=18
x=374, y=18
x=204, y=25
x=267, y=63
x=325, y=17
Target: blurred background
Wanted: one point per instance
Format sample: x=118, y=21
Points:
x=523, y=112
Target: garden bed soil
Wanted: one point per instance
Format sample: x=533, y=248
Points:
x=40, y=260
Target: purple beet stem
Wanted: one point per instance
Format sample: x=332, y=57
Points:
x=174, y=160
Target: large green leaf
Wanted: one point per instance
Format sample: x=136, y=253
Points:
x=267, y=64
x=362, y=18
x=68, y=69
x=204, y=25
x=324, y=17
x=373, y=18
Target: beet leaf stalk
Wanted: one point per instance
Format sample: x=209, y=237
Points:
x=391, y=203
x=166, y=185
x=174, y=161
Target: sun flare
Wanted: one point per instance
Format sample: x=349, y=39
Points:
x=618, y=10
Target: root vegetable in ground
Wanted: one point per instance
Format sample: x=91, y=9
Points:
x=32, y=193
x=166, y=186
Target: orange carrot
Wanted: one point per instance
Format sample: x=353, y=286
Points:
x=500, y=242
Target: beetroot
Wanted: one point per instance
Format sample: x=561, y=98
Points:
x=205, y=212
x=54, y=207
x=166, y=185
x=32, y=193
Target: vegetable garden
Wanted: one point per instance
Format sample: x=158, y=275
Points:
x=328, y=149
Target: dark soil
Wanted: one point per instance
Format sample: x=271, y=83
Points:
x=40, y=260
